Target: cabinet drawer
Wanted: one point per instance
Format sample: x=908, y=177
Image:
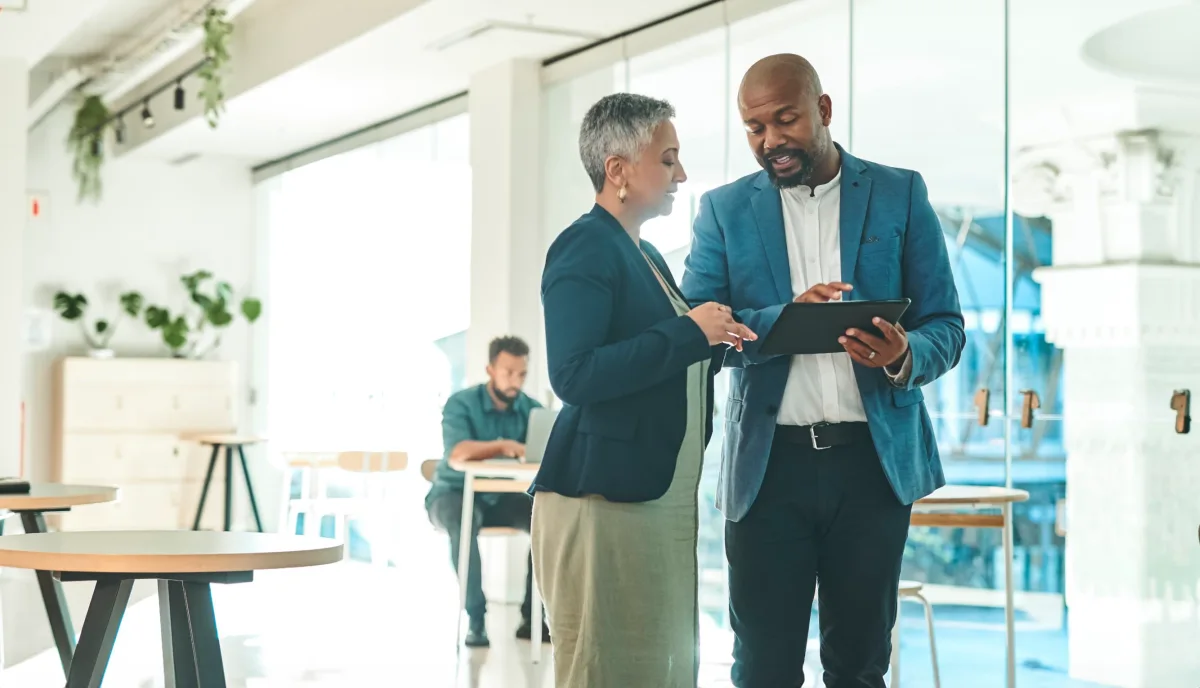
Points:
x=195, y=409
x=120, y=458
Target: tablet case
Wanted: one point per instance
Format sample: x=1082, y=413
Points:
x=814, y=328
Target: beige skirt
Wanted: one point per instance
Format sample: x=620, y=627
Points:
x=619, y=580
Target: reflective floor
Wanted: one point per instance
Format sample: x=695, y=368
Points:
x=357, y=625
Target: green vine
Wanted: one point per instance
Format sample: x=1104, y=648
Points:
x=217, y=30
x=86, y=143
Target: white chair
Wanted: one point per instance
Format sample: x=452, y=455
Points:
x=372, y=504
x=912, y=590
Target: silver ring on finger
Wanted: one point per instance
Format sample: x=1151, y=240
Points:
x=871, y=356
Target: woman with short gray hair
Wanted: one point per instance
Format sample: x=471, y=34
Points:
x=615, y=498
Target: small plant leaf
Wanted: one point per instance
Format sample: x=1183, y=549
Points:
x=251, y=308
x=131, y=303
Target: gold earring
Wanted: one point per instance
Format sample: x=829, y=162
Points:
x=621, y=194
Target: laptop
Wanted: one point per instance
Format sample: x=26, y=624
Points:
x=537, y=436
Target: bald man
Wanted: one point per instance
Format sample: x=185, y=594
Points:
x=824, y=454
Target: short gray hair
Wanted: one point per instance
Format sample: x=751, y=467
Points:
x=620, y=124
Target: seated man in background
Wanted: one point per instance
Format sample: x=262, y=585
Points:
x=485, y=422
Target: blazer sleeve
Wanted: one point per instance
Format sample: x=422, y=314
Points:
x=706, y=278
x=936, y=335
x=579, y=287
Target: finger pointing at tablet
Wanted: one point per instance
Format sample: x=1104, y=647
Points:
x=820, y=293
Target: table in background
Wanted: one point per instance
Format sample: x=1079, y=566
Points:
x=493, y=475
x=185, y=564
x=32, y=507
x=942, y=509
x=229, y=443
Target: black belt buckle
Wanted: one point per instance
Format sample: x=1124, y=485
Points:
x=812, y=432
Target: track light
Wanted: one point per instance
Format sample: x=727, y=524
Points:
x=147, y=116
x=179, y=96
x=119, y=130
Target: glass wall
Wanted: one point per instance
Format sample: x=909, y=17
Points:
x=354, y=241
x=925, y=85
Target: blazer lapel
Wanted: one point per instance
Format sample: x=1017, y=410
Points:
x=856, y=192
x=768, y=214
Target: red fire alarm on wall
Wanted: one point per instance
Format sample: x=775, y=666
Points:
x=37, y=205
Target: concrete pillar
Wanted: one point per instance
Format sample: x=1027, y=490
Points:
x=1123, y=301
x=506, y=255
x=14, y=102
x=506, y=247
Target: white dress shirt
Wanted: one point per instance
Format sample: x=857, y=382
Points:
x=820, y=387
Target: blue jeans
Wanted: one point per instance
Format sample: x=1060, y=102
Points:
x=502, y=510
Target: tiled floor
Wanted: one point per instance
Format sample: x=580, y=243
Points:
x=352, y=625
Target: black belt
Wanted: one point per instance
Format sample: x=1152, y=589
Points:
x=823, y=435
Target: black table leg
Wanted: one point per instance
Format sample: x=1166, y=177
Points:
x=54, y=599
x=212, y=464
x=99, y=633
x=250, y=488
x=179, y=658
x=228, y=488
x=210, y=668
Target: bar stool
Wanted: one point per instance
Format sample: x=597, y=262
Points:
x=229, y=443
x=912, y=590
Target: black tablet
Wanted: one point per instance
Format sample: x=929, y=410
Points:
x=814, y=328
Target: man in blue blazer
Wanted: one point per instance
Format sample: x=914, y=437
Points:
x=824, y=454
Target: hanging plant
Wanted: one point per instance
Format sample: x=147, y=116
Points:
x=86, y=143
x=217, y=30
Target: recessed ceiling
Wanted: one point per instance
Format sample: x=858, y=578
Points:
x=400, y=66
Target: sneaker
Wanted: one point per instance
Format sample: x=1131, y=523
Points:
x=477, y=635
x=525, y=631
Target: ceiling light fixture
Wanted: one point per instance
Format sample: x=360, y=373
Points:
x=119, y=130
x=179, y=95
x=147, y=116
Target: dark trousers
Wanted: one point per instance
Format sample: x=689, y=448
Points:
x=824, y=520
x=508, y=511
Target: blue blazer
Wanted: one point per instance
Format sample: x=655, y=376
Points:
x=618, y=358
x=892, y=246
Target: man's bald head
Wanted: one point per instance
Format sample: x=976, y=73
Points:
x=782, y=71
x=787, y=118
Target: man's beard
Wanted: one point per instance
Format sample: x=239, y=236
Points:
x=800, y=177
x=505, y=398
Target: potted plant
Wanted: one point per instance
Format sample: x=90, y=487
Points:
x=98, y=332
x=86, y=143
x=195, y=331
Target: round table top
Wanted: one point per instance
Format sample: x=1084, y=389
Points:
x=974, y=494
x=226, y=439
x=46, y=496
x=496, y=468
x=165, y=551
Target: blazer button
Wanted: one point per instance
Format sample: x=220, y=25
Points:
x=772, y=410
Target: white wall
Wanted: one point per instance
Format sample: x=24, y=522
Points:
x=13, y=87
x=155, y=222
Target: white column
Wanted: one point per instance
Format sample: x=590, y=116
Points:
x=1123, y=302
x=506, y=248
x=14, y=102
x=506, y=255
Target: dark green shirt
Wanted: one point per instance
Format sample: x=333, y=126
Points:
x=470, y=414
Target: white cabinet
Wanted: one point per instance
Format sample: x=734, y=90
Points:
x=120, y=422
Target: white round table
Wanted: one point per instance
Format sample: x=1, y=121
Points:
x=185, y=564
x=31, y=508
